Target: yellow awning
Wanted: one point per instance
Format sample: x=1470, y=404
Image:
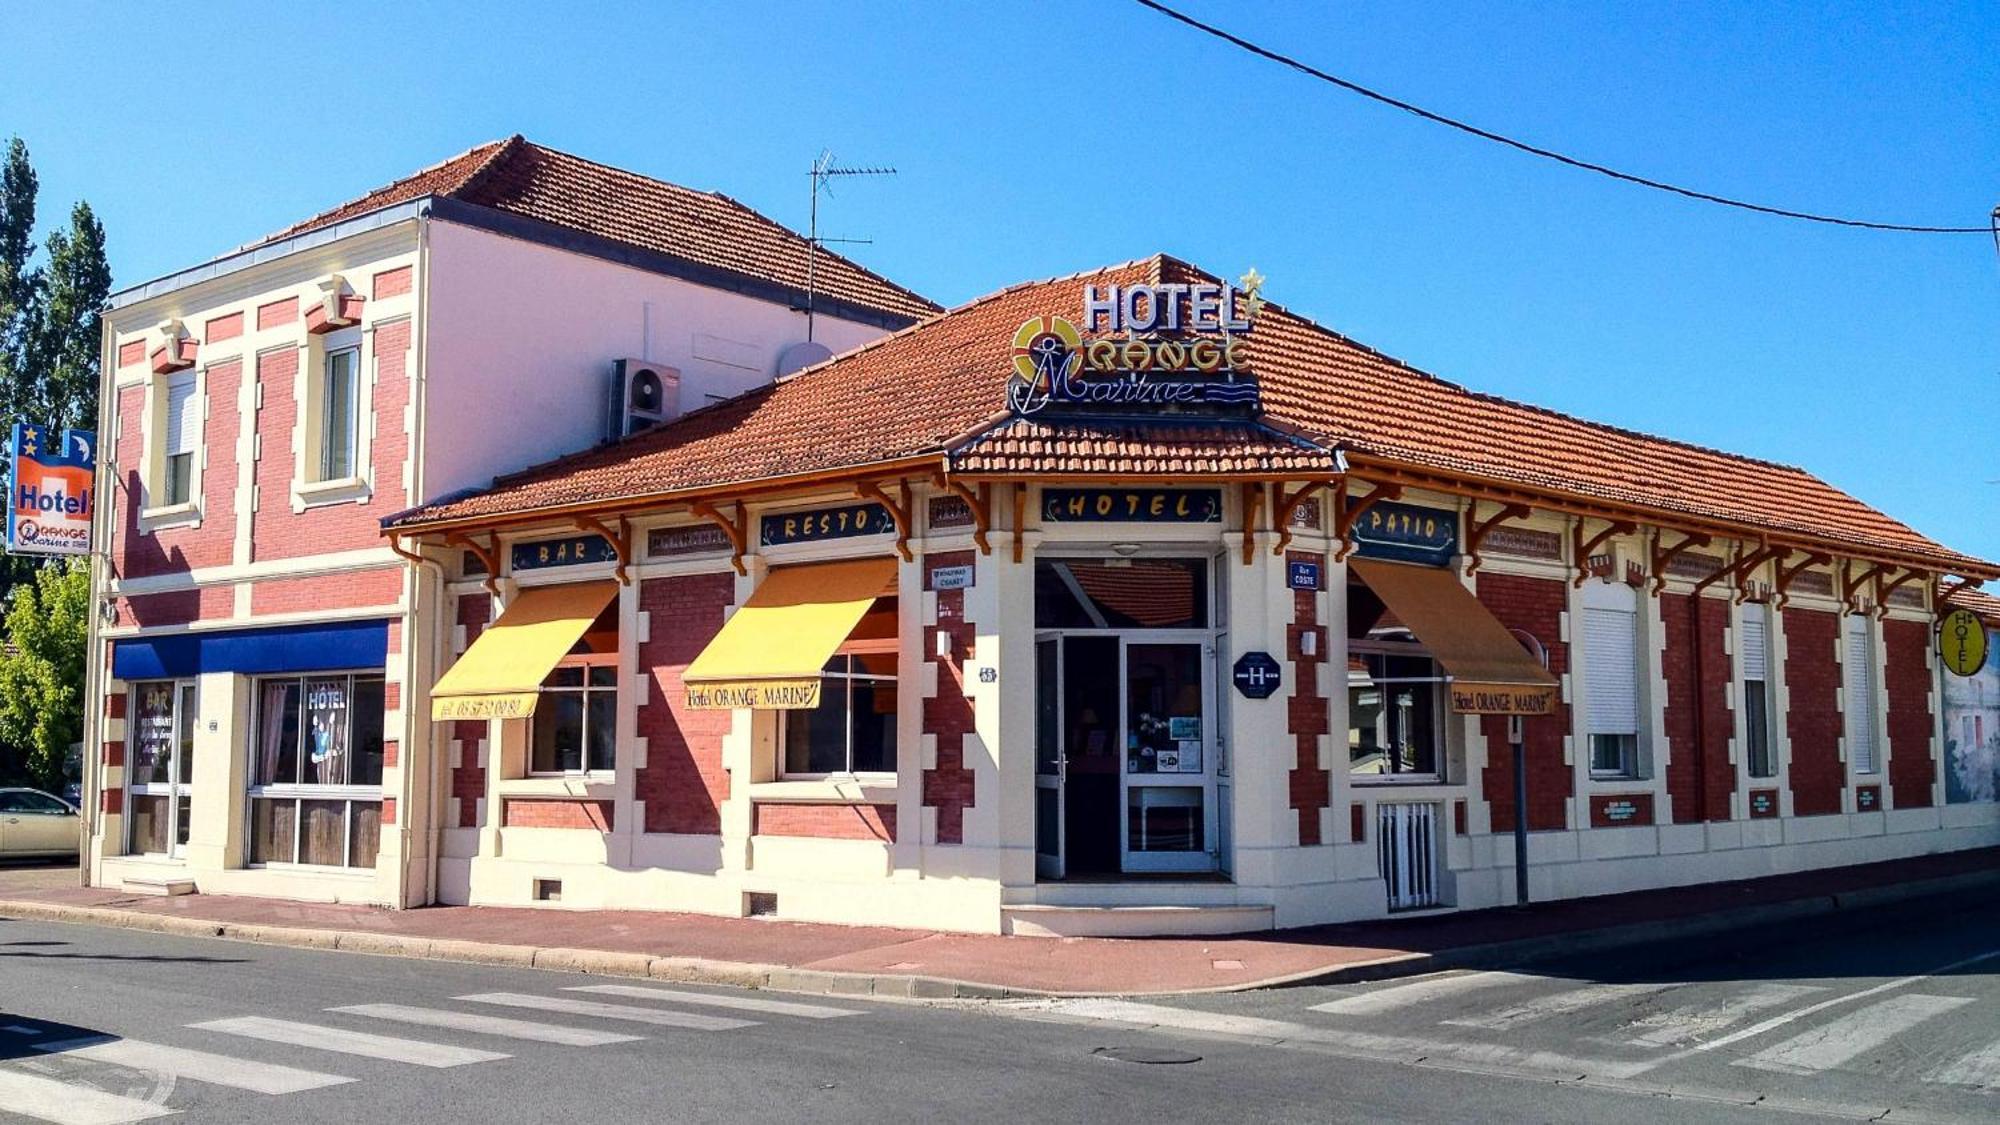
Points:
x=1491, y=674
x=770, y=652
x=500, y=676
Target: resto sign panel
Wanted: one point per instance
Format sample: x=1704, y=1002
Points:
x=819, y=524
x=1409, y=533
x=1473, y=698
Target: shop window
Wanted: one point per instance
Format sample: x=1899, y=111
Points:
x=181, y=434
x=1121, y=594
x=340, y=429
x=1611, y=679
x=576, y=723
x=1859, y=662
x=158, y=779
x=853, y=730
x=1754, y=660
x=1395, y=696
x=316, y=779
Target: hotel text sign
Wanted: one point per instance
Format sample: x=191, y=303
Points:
x=1471, y=698
x=818, y=524
x=1407, y=533
x=50, y=485
x=1142, y=349
x=1136, y=505
x=768, y=695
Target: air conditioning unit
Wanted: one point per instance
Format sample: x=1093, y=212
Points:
x=643, y=395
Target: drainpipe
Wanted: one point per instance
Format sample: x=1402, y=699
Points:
x=419, y=384
x=90, y=816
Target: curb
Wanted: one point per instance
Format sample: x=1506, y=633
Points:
x=905, y=986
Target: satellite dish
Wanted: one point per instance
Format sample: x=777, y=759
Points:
x=802, y=355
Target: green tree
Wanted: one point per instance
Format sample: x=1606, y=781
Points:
x=20, y=286
x=68, y=337
x=41, y=672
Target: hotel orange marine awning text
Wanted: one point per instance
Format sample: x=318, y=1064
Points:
x=771, y=651
x=1490, y=672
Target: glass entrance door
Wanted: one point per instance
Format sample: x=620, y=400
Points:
x=1169, y=749
x=162, y=772
x=1048, y=758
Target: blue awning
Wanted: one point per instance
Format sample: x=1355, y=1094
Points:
x=330, y=647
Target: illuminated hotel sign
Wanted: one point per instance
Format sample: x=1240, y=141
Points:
x=50, y=482
x=1142, y=348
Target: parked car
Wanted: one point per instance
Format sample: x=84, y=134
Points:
x=34, y=823
x=73, y=793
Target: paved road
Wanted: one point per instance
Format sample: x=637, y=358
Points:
x=106, y=1026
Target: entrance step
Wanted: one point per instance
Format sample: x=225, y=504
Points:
x=1048, y=920
x=164, y=886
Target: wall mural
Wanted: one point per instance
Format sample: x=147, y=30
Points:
x=1972, y=732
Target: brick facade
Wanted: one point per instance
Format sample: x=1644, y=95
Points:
x=1813, y=721
x=468, y=774
x=1700, y=777
x=1907, y=676
x=358, y=589
x=1306, y=716
x=538, y=812
x=683, y=783
x=949, y=786
x=831, y=822
x=1535, y=605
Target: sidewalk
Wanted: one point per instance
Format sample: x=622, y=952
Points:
x=910, y=963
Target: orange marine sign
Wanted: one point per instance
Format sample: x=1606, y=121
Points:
x=1468, y=698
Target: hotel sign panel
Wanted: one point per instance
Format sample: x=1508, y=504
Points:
x=1133, y=505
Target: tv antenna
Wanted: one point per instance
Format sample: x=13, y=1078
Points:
x=825, y=168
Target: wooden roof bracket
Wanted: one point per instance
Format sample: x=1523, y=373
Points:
x=1287, y=508
x=1347, y=510
x=621, y=543
x=1940, y=592
x=416, y=557
x=1664, y=558
x=489, y=556
x=1882, y=592
x=1851, y=585
x=1743, y=565
x=869, y=490
x=1020, y=518
x=1581, y=560
x=1786, y=575
x=1253, y=503
x=981, y=506
x=737, y=529
x=1480, y=529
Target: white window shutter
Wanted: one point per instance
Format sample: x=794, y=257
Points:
x=1859, y=674
x=1753, y=645
x=183, y=424
x=1611, y=670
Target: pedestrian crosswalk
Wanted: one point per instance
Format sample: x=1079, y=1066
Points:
x=105, y=1079
x=1940, y=1029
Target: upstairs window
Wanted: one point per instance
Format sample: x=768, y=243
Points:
x=182, y=434
x=1753, y=659
x=1859, y=664
x=340, y=414
x=1611, y=679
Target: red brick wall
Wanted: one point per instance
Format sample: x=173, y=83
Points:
x=1536, y=605
x=521, y=812
x=683, y=783
x=277, y=312
x=1700, y=777
x=131, y=352
x=392, y=283
x=180, y=549
x=356, y=590
x=1905, y=645
x=468, y=775
x=948, y=714
x=1306, y=716
x=223, y=328
x=834, y=822
x=1813, y=720
x=278, y=532
x=178, y=607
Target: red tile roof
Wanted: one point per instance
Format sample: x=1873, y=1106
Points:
x=937, y=390
x=533, y=181
x=1978, y=601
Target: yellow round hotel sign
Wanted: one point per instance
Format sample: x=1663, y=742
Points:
x=1962, y=642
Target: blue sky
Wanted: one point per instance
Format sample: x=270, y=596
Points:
x=1038, y=139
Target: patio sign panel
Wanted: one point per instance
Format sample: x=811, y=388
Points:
x=50, y=489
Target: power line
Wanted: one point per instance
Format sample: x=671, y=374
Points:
x=1549, y=154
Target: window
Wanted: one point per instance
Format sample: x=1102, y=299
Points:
x=1395, y=696
x=1121, y=594
x=1753, y=656
x=316, y=782
x=853, y=730
x=182, y=434
x=1611, y=679
x=1859, y=664
x=162, y=766
x=340, y=414
x=576, y=723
